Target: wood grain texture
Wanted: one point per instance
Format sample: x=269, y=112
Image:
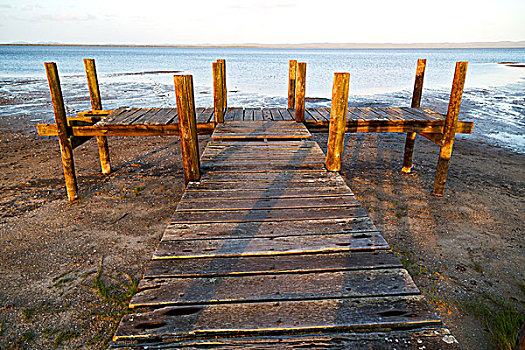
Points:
x=272, y=264
x=300, y=92
x=284, y=317
x=218, y=92
x=292, y=78
x=187, y=127
x=334, y=149
x=63, y=131
x=450, y=128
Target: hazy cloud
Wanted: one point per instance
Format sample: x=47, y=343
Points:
x=268, y=4
x=4, y=6
x=67, y=17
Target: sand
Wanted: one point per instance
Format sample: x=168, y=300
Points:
x=466, y=245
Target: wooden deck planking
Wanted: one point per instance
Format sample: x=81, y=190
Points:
x=249, y=129
x=268, y=243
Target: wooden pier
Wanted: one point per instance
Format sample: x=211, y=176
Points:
x=270, y=250
x=268, y=247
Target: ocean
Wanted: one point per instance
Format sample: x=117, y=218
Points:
x=494, y=97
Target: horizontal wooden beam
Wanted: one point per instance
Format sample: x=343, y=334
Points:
x=124, y=130
x=102, y=112
x=436, y=138
x=431, y=127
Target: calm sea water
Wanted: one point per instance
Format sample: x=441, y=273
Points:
x=494, y=95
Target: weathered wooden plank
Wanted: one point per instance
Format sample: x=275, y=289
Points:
x=315, y=186
x=204, y=115
x=164, y=116
x=271, y=264
x=257, y=114
x=274, y=203
x=266, y=114
x=233, y=114
x=143, y=117
x=133, y=115
x=428, y=338
x=287, y=114
x=130, y=130
x=234, y=246
x=267, y=215
x=283, y=317
x=276, y=115
x=266, y=193
x=277, y=287
x=289, y=177
x=238, y=152
x=248, y=114
x=360, y=226
x=421, y=114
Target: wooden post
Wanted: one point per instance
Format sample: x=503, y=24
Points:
x=300, y=92
x=187, y=127
x=96, y=105
x=218, y=91
x=64, y=133
x=449, y=130
x=292, y=77
x=336, y=133
x=416, y=102
x=224, y=89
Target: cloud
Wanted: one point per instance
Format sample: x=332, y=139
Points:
x=4, y=6
x=262, y=5
x=67, y=17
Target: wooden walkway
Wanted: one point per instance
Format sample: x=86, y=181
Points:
x=164, y=121
x=269, y=250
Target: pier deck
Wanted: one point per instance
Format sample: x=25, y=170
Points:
x=270, y=250
x=164, y=121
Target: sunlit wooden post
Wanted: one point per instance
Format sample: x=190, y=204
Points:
x=300, y=92
x=96, y=104
x=449, y=130
x=222, y=63
x=337, y=126
x=218, y=93
x=416, y=103
x=187, y=127
x=292, y=77
x=63, y=130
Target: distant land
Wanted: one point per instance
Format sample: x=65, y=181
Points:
x=475, y=45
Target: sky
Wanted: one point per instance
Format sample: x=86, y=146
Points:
x=194, y=22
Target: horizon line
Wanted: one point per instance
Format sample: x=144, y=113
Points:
x=480, y=44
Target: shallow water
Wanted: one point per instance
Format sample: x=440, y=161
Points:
x=494, y=95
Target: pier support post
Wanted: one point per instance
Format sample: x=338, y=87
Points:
x=187, y=127
x=222, y=63
x=63, y=129
x=416, y=103
x=292, y=78
x=218, y=93
x=449, y=130
x=300, y=92
x=337, y=128
x=96, y=104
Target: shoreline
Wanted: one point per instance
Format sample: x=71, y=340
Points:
x=446, y=45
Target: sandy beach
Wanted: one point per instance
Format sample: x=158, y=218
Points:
x=68, y=269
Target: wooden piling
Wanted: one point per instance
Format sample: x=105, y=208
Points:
x=292, y=77
x=300, y=92
x=222, y=63
x=416, y=103
x=449, y=130
x=96, y=105
x=337, y=126
x=218, y=93
x=64, y=133
x=187, y=127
